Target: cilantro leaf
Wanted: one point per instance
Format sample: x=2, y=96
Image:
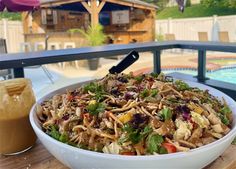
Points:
x=144, y=93
x=92, y=87
x=162, y=150
x=122, y=140
x=54, y=132
x=95, y=88
x=135, y=135
x=146, y=131
x=155, y=75
x=153, y=92
x=154, y=143
x=96, y=108
x=166, y=114
x=64, y=138
x=139, y=78
x=127, y=128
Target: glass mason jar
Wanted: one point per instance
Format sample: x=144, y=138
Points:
x=16, y=100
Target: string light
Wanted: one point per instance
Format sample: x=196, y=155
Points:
x=89, y=3
x=97, y=2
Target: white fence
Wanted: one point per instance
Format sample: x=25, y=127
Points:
x=12, y=31
x=187, y=29
x=184, y=29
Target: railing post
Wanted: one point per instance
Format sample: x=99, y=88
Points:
x=18, y=72
x=201, y=66
x=157, y=61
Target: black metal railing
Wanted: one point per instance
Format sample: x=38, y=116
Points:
x=20, y=60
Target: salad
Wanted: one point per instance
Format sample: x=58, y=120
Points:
x=135, y=115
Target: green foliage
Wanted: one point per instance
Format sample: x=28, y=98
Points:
x=10, y=16
x=219, y=3
x=188, y=3
x=195, y=11
x=94, y=35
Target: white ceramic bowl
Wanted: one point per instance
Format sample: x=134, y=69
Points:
x=82, y=159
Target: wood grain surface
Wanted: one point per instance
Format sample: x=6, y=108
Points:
x=39, y=158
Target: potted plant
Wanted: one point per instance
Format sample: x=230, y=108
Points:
x=95, y=37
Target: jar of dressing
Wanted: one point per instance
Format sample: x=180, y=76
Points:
x=16, y=101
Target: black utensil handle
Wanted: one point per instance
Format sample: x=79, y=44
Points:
x=126, y=62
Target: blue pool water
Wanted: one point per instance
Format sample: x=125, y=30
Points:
x=226, y=75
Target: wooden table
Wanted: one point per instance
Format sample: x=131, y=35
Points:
x=39, y=158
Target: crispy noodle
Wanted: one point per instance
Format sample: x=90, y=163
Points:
x=142, y=115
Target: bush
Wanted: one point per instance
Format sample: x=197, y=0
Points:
x=219, y=3
x=94, y=35
x=188, y=3
x=160, y=37
x=10, y=16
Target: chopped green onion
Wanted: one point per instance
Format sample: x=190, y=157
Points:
x=181, y=85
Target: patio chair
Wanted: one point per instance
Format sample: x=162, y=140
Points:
x=223, y=36
x=69, y=45
x=38, y=46
x=6, y=73
x=55, y=46
x=26, y=47
x=203, y=36
x=171, y=37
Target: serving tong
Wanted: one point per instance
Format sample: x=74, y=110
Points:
x=132, y=57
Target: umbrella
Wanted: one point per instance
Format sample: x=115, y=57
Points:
x=19, y=5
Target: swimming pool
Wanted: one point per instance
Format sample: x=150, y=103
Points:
x=226, y=75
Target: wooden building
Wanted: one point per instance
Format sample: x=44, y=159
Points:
x=125, y=21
